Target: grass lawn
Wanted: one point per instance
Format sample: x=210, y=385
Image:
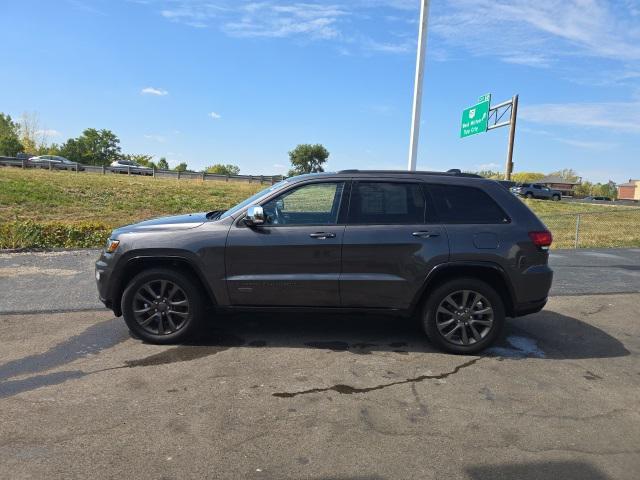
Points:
x=43, y=209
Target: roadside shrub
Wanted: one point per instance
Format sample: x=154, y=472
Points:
x=30, y=234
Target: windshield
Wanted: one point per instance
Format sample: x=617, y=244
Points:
x=252, y=199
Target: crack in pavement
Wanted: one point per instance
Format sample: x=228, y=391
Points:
x=349, y=390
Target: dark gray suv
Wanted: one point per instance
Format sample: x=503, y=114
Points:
x=457, y=250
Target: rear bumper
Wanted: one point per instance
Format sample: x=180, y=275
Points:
x=534, y=285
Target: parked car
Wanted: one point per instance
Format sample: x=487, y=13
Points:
x=457, y=250
x=24, y=156
x=535, y=190
x=55, y=161
x=597, y=199
x=128, y=166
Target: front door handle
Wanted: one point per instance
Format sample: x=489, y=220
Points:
x=425, y=234
x=322, y=235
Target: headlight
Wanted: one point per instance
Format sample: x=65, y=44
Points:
x=112, y=245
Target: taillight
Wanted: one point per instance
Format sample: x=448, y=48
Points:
x=541, y=239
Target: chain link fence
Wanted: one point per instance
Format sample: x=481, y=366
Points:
x=595, y=229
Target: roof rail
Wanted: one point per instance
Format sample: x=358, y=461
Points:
x=452, y=172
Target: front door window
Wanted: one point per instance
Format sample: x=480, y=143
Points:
x=314, y=204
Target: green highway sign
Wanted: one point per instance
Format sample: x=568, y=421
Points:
x=476, y=119
x=485, y=98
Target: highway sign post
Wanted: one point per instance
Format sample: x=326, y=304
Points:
x=482, y=117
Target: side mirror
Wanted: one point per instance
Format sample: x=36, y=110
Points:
x=255, y=216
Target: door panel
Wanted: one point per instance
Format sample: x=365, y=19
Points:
x=293, y=259
x=284, y=266
x=388, y=249
x=386, y=265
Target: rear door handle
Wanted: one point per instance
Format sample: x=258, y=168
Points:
x=425, y=234
x=322, y=235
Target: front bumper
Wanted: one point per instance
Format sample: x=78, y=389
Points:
x=103, y=274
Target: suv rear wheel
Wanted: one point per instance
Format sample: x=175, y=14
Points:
x=162, y=306
x=556, y=198
x=463, y=316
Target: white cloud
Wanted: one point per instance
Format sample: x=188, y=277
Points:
x=48, y=132
x=524, y=32
x=154, y=91
x=215, y=116
x=156, y=138
x=266, y=19
x=307, y=19
x=616, y=116
x=391, y=47
x=589, y=145
x=538, y=33
x=488, y=166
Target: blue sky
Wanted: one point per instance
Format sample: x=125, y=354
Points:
x=243, y=82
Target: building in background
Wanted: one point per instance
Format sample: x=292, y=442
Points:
x=629, y=190
x=558, y=183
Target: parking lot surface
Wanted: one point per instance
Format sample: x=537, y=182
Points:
x=319, y=397
x=63, y=281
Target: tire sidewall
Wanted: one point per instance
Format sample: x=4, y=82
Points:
x=196, y=306
x=434, y=299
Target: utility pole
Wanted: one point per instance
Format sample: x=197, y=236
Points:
x=512, y=134
x=417, y=88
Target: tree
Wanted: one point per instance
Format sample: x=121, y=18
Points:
x=93, y=147
x=141, y=159
x=307, y=158
x=566, y=174
x=53, y=149
x=526, y=177
x=32, y=136
x=181, y=167
x=490, y=174
x=585, y=189
x=223, y=169
x=10, y=144
x=163, y=164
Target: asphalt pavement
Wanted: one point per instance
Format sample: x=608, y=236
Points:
x=64, y=281
x=348, y=397
x=323, y=397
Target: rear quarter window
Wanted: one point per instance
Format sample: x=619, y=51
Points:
x=461, y=204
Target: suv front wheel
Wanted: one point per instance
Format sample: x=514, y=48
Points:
x=463, y=316
x=162, y=306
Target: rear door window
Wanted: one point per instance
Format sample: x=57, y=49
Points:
x=461, y=204
x=377, y=203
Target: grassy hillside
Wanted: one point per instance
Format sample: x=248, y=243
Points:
x=42, y=209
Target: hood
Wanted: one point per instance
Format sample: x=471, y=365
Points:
x=166, y=224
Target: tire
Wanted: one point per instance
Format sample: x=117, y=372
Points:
x=432, y=317
x=555, y=198
x=529, y=195
x=180, y=320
